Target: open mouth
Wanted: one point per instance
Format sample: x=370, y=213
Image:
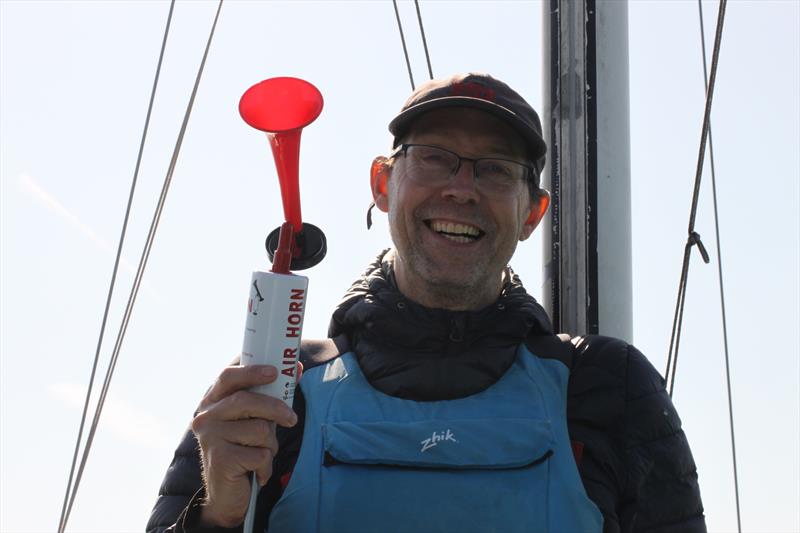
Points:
x=456, y=232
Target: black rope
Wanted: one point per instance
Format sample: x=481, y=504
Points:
x=721, y=285
x=403, y=40
x=62, y=521
x=693, y=237
x=140, y=270
x=424, y=41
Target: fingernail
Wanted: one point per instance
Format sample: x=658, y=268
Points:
x=292, y=418
x=268, y=371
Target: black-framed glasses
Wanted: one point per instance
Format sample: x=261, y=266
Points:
x=494, y=176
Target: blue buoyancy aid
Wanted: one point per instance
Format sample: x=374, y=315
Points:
x=499, y=460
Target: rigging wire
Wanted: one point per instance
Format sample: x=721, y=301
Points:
x=62, y=519
x=140, y=271
x=719, y=269
x=424, y=41
x=693, y=238
x=403, y=40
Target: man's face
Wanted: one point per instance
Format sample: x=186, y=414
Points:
x=452, y=240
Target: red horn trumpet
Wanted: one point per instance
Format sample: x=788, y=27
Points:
x=282, y=107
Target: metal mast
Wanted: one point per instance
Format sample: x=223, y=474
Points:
x=587, y=248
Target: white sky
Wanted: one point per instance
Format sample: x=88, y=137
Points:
x=74, y=84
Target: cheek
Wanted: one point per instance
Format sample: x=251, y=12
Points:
x=395, y=201
x=404, y=198
x=399, y=212
x=510, y=217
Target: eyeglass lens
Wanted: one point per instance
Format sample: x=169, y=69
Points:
x=436, y=165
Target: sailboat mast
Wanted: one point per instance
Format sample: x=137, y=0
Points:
x=587, y=248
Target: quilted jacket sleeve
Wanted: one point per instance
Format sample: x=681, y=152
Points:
x=636, y=463
x=181, y=482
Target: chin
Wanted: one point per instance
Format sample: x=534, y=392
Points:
x=455, y=277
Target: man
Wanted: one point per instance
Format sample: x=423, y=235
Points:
x=443, y=401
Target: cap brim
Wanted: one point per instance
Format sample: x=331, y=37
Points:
x=533, y=139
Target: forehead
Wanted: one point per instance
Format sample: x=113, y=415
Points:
x=469, y=130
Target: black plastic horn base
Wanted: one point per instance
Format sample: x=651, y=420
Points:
x=311, y=242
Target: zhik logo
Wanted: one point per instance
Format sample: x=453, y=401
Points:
x=436, y=438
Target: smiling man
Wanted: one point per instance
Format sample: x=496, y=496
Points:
x=442, y=400
x=463, y=193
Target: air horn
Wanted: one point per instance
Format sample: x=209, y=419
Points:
x=281, y=107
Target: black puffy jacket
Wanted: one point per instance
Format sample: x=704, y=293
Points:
x=632, y=455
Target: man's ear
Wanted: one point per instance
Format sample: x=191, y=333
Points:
x=379, y=181
x=539, y=204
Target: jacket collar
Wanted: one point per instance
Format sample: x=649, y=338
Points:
x=405, y=349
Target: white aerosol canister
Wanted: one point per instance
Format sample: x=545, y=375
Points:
x=275, y=312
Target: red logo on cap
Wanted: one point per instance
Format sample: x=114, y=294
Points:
x=473, y=90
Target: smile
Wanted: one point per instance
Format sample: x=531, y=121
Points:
x=455, y=231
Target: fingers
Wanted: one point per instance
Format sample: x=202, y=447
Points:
x=243, y=405
x=237, y=377
x=253, y=432
x=241, y=460
x=263, y=469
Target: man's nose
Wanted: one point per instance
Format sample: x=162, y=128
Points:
x=462, y=186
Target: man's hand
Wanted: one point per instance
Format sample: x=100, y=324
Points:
x=236, y=432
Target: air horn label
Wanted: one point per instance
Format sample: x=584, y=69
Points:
x=275, y=312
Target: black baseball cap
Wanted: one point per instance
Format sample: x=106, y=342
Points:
x=476, y=91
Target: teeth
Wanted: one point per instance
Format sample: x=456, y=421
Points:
x=457, y=238
x=455, y=230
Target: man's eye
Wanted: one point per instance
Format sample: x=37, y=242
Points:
x=433, y=158
x=497, y=169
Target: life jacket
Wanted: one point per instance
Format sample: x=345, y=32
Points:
x=499, y=460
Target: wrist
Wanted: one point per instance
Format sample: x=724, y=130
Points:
x=193, y=519
x=210, y=518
